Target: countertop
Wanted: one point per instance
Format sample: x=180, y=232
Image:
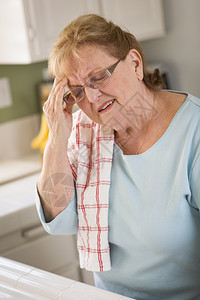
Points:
x=13, y=169
x=18, y=179
x=17, y=204
x=23, y=282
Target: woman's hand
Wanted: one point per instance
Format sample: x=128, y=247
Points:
x=58, y=114
x=55, y=197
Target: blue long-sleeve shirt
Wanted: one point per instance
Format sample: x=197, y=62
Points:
x=154, y=221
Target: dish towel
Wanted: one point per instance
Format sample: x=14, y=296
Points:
x=90, y=152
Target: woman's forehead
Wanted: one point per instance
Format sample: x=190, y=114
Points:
x=90, y=58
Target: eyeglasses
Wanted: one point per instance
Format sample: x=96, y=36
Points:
x=98, y=79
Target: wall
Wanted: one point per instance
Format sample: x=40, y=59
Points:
x=24, y=80
x=180, y=48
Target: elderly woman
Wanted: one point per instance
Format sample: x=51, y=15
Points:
x=123, y=171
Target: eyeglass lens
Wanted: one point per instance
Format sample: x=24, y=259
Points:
x=95, y=81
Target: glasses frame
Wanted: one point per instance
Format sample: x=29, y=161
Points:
x=109, y=71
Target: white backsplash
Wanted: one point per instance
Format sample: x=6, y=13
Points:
x=16, y=137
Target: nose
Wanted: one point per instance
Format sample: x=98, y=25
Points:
x=93, y=95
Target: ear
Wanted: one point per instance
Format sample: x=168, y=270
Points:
x=137, y=63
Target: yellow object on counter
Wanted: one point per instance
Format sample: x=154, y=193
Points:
x=39, y=142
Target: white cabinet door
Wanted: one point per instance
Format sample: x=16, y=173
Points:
x=56, y=254
x=46, y=18
x=143, y=18
x=28, y=28
x=13, y=36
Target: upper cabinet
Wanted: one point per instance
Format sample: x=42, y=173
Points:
x=143, y=18
x=28, y=28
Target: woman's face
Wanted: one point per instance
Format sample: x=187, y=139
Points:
x=104, y=105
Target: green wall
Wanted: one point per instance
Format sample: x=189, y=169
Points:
x=24, y=80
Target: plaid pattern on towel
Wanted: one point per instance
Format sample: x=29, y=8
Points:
x=90, y=156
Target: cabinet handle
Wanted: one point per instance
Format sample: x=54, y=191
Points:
x=33, y=232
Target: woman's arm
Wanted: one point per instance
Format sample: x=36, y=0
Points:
x=55, y=185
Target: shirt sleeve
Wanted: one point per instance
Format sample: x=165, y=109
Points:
x=195, y=182
x=65, y=223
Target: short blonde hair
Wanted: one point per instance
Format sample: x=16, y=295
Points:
x=94, y=29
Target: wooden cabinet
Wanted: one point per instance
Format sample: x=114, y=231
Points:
x=143, y=18
x=28, y=28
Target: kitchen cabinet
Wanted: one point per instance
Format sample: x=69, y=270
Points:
x=33, y=246
x=23, y=239
x=143, y=18
x=28, y=28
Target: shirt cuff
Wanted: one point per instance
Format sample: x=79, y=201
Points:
x=65, y=223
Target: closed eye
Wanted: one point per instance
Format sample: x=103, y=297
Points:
x=98, y=77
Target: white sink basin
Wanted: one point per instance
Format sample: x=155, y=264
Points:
x=22, y=282
x=11, y=293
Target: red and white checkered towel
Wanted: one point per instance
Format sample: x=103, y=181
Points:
x=90, y=156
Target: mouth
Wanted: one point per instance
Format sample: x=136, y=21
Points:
x=106, y=106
